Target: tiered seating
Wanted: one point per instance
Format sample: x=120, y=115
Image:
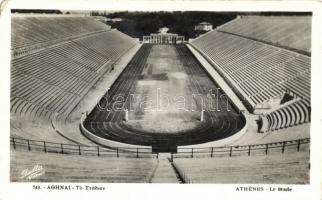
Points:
x=117, y=42
x=55, y=79
x=293, y=32
x=30, y=30
x=293, y=114
x=74, y=168
x=288, y=169
x=291, y=133
x=258, y=70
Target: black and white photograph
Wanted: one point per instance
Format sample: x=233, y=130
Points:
x=105, y=96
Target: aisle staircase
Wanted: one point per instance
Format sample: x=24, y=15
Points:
x=165, y=172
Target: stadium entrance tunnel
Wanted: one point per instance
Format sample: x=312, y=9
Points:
x=174, y=73
x=165, y=148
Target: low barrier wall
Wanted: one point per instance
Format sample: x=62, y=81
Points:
x=247, y=102
x=291, y=146
x=103, y=141
x=235, y=101
x=106, y=142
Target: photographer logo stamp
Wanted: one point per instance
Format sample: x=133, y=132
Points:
x=29, y=174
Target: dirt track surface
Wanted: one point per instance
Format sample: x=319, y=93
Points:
x=164, y=89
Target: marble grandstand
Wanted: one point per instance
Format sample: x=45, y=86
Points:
x=290, y=32
x=61, y=66
x=261, y=73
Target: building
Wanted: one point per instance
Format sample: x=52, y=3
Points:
x=163, y=38
x=203, y=26
x=114, y=19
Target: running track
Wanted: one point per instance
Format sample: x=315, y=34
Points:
x=110, y=124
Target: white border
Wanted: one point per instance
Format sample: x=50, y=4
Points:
x=166, y=191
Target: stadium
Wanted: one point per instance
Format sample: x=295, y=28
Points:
x=91, y=102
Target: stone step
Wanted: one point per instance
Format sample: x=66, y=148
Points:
x=165, y=173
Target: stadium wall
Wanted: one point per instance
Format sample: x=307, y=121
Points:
x=121, y=64
x=106, y=142
x=216, y=78
x=238, y=105
x=243, y=97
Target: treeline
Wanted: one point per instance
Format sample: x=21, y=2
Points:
x=138, y=24
x=36, y=11
x=281, y=13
